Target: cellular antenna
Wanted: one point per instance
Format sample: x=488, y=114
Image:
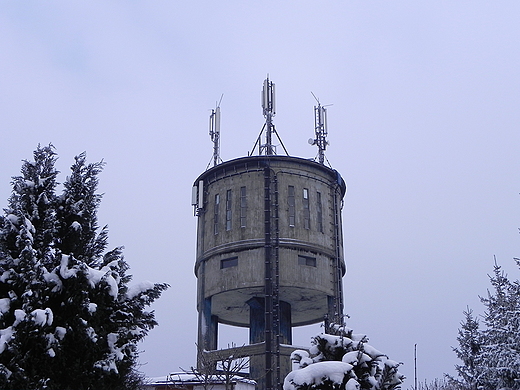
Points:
x=269, y=111
x=320, y=130
x=214, y=132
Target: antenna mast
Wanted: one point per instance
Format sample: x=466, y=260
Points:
x=320, y=129
x=269, y=112
x=214, y=132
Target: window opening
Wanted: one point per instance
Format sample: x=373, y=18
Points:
x=243, y=206
x=215, y=213
x=292, y=209
x=230, y=262
x=306, y=209
x=319, y=212
x=228, y=210
x=307, y=260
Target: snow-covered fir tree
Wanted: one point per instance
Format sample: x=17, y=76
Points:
x=500, y=355
x=69, y=318
x=491, y=356
x=342, y=360
x=468, y=351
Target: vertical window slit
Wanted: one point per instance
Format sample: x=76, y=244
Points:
x=292, y=208
x=228, y=210
x=306, y=209
x=215, y=214
x=319, y=212
x=243, y=206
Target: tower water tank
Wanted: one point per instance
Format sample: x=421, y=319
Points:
x=269, y=255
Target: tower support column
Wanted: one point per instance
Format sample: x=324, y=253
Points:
x=257, y=321
x=257, y=335
x=208, y=331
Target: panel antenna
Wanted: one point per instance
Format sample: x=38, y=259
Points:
x=320, y=130
x=269, y=111
x=214, y=132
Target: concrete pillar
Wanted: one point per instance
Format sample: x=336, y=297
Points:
x=285, y=323
x=335, y=313
x=256, y=320
x=257, y=335
x=208, y=327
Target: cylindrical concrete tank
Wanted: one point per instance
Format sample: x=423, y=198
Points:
x=269, y=246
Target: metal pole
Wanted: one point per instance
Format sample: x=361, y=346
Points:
x=415, y=366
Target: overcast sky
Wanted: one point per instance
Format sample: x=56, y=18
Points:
x=424, y=128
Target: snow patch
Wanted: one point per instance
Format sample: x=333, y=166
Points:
x=95, y=276
x=19, y=316
x=30, y=226
x=317, y=373
x=92, y=307
x=115, y=355
x=369, y=350
x=5, y=305
x=139, y=288
x=300, y=358
x=65, y=271
x=352, y=384
x=355, y=358
x=5, y=336
x=13, y=219
x=5, y=276
x=53, y=278
x=112, y=340
x=91, y=333
x=42, y=317
x=60, y=332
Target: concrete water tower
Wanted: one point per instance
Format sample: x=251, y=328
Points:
x=269, y=247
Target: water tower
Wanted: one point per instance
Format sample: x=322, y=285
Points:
x=269, y=247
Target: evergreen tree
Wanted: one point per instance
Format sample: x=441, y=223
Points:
x=68, y=318
x=77, y=212
x=470, y=345
x=491, y=356
x=26, y=241
x=500, y=354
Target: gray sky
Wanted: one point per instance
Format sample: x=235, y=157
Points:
x=423, y=127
